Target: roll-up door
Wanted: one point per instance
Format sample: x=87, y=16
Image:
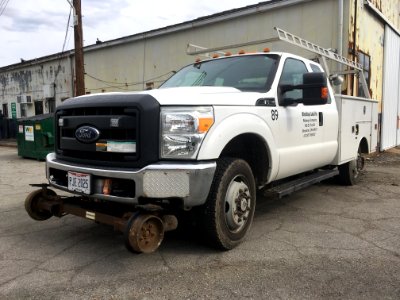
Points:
x=390, y=133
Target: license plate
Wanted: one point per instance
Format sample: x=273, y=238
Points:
x=79, y=182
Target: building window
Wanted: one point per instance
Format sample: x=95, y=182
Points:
x=365, y=61
x=52, y=105
x=23, y=110
x=5, y=110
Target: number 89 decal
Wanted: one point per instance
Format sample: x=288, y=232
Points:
x=274, y=115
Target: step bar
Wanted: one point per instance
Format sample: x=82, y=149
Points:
x=290, y=187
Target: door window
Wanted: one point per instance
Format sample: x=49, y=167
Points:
x=292, y=74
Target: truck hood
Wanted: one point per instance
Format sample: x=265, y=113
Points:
x=204, y=96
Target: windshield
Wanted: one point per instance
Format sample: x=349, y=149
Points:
x=246, y=73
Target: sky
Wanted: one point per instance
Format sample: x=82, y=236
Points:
x=31, y=29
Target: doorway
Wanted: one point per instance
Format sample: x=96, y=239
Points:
x=38, y=108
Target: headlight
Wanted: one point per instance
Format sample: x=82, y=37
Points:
x=183, y=130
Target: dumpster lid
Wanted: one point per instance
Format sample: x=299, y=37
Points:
x=38, y=117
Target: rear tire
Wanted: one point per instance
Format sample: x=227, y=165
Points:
x=349, y=173
x=229, y=210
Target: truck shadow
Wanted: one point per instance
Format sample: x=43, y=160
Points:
x=267, y=204
x=190, y=234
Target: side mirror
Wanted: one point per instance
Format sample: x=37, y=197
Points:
x=315, y=90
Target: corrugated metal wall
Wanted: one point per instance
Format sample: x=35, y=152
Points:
x=130, y=66
x=390, y=132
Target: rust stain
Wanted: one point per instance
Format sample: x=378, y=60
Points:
x=4, y=82
x=23, y=78
x=377, y=4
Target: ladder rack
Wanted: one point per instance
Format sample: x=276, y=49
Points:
x=325, y=53
x=297, y=41
x=282, y=36
x=300, y=42
x=199, y=50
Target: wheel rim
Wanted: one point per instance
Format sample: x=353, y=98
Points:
x=237, y=204
x=358, y=165
x=146, y=233
x=32, y=204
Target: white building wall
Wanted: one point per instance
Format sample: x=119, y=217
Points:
x=39, y=83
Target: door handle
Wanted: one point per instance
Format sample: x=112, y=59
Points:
x=321, y=119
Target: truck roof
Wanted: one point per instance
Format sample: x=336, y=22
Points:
x=281, y=54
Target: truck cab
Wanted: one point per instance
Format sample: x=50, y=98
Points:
x=255, y=104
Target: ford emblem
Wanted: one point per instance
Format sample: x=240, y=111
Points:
x=87, y=134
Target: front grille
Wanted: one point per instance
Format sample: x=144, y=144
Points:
x=129, y=121
x=100, y=119
x=96, y=111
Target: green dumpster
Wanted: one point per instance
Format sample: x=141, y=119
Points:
x=35, y=136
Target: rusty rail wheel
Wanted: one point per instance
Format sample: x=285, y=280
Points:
x=143, y=233
x=33, y=204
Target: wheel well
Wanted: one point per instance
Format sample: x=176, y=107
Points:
x=364, y=146
x=252, y=149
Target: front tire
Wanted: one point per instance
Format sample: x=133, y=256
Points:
x=229, y=210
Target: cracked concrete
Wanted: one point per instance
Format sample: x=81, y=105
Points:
x=326, y=241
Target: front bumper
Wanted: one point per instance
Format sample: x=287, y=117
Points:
x=190, y=182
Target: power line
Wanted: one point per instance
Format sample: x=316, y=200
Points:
x=66, y=30
x=63, y=47
x=124, y=86
x=3, y=5
x=129, y=83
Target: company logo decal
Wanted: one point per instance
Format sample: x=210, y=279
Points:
x=87, y=134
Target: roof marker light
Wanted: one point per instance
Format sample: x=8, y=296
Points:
x=266, y=50
x=242, y=52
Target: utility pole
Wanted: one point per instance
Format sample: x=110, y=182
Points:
x=79, y=63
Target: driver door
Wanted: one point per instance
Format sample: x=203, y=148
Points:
x=309, y=133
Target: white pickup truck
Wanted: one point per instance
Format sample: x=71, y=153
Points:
x=211, y=136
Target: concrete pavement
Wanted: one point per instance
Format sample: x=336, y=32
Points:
x=325, y=242
x=8, y=143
